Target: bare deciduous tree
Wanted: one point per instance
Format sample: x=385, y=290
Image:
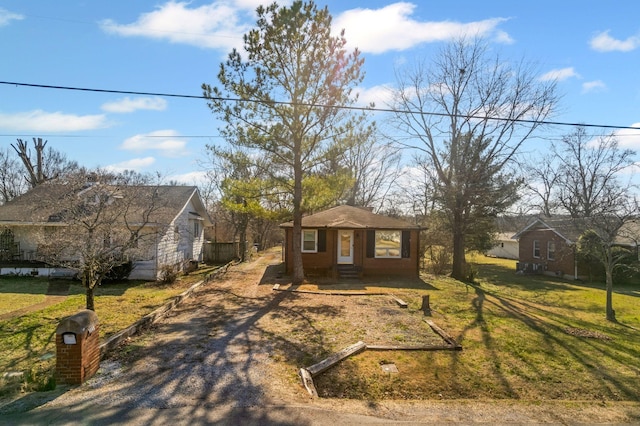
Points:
x=589, y=172
x=611, y=237
x=542, y=179
x=373, y=165
x=101, y=221
x=12, y=182
x=470, y=112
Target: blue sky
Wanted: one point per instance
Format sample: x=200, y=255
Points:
x=591, y=47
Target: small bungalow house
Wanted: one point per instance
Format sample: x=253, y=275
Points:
x=348, y=241
x=174, y=230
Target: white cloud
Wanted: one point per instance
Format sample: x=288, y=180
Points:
x=42, y=121
x=603, y=42
x=135, y=164
x=6, y=17
x=191, y=178
x=380, y=95
x=392, y=28
x=560, y=74
x=629, y=138
x=219, y=24
x=167, y=142
x=593, y=86
x=130, y=105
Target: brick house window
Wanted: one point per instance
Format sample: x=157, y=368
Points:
x=309, y=240
x=536, y=249
x=388, y=243
x=551, y=250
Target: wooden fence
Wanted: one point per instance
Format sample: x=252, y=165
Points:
x=220, y=252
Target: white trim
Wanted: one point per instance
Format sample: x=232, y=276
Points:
x=375, y=247
x=315, y=242
x=534, y=249
x=345, y=260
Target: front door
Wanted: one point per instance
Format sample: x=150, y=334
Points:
x=345, y=247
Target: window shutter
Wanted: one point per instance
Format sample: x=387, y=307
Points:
x=322, y=240
x=406, y=244
x=371, y=243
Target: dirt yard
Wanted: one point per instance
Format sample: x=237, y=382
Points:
x=239, y=343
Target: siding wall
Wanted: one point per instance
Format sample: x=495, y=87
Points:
x=172, y=248
x=179, y=243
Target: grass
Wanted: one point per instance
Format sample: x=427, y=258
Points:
x=523, y=337
x=19, y=293
x=27, y=342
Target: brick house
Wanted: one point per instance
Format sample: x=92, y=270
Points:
x=548, y=246
x=348, y=241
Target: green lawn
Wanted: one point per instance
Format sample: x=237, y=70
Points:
x=523, y=337
x=17, y=293
x=27, y=343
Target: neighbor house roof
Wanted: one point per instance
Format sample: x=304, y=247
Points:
x=571, y=229
x=43, y=203
x=349, y=217
x=564, y=227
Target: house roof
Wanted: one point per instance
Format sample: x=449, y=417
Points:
x=562, y=226
x=349, y=217
x=43, y=203
x=570, y=229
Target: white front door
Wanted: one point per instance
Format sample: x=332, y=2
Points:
x=345, y=247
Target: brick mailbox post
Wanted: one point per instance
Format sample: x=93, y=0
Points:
x=77, y=347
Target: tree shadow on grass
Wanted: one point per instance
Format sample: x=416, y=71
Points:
x=602, y=361
x=206, y=360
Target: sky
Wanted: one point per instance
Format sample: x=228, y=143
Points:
x=591, y=47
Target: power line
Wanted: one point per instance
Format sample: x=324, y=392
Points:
x=346, y=107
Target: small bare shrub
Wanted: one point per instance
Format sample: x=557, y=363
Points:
x=168, y=274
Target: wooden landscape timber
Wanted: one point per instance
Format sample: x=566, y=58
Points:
x=450, y=340
x=307, y=374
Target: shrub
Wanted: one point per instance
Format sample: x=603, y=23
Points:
x=168, y=274
x=120, y=272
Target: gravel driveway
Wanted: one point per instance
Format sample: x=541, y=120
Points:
x=212, y=361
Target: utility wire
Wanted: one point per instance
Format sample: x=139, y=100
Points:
x=346, y=107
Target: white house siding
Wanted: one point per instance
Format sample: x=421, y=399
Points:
x=170, y=245
x=505, y=248
x=179, y=244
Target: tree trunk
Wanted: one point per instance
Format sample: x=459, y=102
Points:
x=296, y=255
x=611, y=314
x=90, y=303
x=459, y=268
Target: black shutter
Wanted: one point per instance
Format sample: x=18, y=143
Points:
x=371, y=243
x=322, y=240
x=406, y=244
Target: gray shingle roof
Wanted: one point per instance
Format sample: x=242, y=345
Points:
x=43, y=203
x=348, y=217
x=571, y=229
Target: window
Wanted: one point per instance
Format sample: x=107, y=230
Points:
x=196, y=229
x=388, y=244
x=536, y=248
x=309, y=240
x=551, y=250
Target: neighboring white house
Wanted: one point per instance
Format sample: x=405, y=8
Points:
x=174, y=231
x=506, y=247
